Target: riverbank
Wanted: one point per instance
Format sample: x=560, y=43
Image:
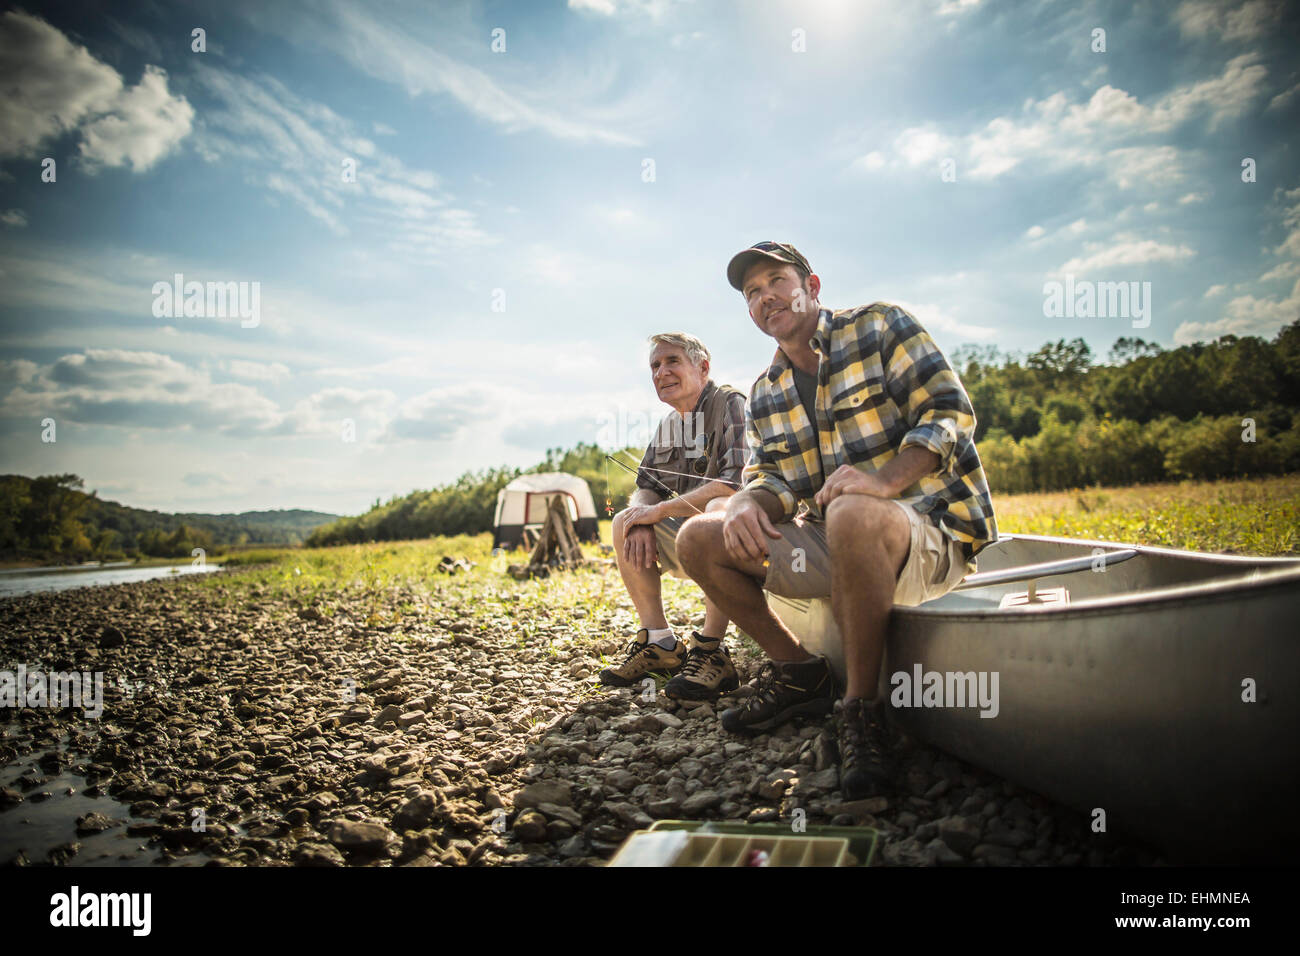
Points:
x=381, y=719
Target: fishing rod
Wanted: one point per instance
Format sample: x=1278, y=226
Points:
x=609, y=503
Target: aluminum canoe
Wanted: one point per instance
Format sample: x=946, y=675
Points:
x=1161, y=687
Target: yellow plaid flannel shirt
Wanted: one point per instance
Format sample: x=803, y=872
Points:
x=882, y=384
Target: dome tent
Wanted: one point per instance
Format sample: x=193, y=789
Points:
x=524, y=501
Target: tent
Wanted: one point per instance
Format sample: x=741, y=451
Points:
x=524, y=501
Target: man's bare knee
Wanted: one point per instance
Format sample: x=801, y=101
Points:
x=698, y=541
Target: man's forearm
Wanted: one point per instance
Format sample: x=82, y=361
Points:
x=769, y=502
x=906, y=468
x=693, y=502
x=644, y=496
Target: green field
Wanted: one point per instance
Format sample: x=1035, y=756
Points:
x=1259, y=516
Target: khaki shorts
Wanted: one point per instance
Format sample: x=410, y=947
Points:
x=666, y=541
x=935, y=564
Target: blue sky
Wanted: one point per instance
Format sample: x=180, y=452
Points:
x=484, y=288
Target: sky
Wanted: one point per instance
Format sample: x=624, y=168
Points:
x=455, y=225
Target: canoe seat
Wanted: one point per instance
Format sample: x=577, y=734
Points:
x=1035, y=597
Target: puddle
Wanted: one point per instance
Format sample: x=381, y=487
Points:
x=38, y=825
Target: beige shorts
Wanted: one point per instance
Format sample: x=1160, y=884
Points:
x=666, y=541
x=935, y=563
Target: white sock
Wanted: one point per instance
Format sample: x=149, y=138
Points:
x=664, y=637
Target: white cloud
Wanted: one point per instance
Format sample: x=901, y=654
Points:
x=55, y=87
x=1226, y=22
x=1214, y=290
x=870, y=162
x=1055, y=133
x=933, y=316
x=1125, y=250
x=14, y=217
x=285, y=142
x=273, y=372
x=132, y=389
x=1035, y=232
x=1191, y=198
x=1260, y=315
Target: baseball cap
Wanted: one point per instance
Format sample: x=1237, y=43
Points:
x=777, y=251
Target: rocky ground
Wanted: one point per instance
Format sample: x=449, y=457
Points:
x=470, y=734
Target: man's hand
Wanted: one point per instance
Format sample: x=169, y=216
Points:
x=746, y=529
x=639, y=549
x=641, y=514
x=847, y=480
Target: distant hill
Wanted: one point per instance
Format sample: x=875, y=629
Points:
x=50, y=518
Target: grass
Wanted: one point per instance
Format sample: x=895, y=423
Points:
x=390, y=584
x=1259, y=516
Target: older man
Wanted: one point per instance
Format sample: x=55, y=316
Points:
x=860, y=420
x=693, y=464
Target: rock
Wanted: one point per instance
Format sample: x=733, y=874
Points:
x=864, y=808
x=700, y=802
x=372, y=838
x=667, y=719
x=553, y=811
x=665, y=808
x=763, y=815
x=630, y=816
x=622, y=780
x=109, y=636
x=390, y=713
x=241, y=756
x=822, y=780
x=907, y=852
x=530, y=827
x=573, y=847
x=994, y=855
x=959, y=833
x=94, y=822
x=825, y=752
x=942, y=854
x=545, y=791
x=415, y=813
x=9, y=797
x=317, y=854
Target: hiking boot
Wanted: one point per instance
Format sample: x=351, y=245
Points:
x=708, y=671
x=645, y=658
x=866, y=766
x=782, y=690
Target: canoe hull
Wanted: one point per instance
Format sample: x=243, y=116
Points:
x=1135, y=704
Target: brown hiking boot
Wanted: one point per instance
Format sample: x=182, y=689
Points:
x=708, y=671
x=783, y=690
x=645, y=658
x=866, y=766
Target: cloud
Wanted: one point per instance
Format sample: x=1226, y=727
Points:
x=410, y=51
x=14, y=217
x=55, y=87
x=1049, y=132
x=273, y=372
x=1123, y=251
x=654, y=9
x=1226, y=23
x=295, y=147
x=936, y=317
x=1260, y=315
x=138, y=390
x=1214, y=290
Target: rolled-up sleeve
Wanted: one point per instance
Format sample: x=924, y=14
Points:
x=762, y=473
x=926, y=390
x=733, y=447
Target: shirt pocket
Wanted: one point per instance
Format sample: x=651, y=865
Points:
x=852, y=399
